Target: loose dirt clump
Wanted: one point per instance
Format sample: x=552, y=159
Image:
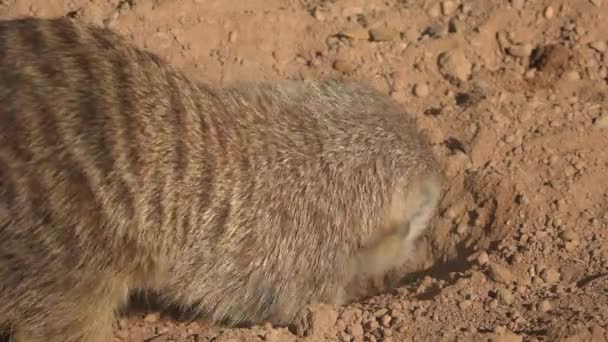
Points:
x=513, y=96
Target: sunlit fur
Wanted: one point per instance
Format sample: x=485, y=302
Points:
x=246, y=203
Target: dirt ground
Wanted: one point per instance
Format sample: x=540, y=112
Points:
x=513, y=95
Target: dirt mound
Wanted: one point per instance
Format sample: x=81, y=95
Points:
x=513, y=95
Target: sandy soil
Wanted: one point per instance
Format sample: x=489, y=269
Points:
x=514, y=97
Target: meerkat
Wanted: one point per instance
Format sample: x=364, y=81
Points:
x=246, y=203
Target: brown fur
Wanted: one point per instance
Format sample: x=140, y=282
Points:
x=118, y=173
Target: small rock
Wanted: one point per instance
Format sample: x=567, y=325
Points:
x=355, y=330
x=421, y=90
x=455, y=66
x=462, y=228
x=371, y=326
x=380, y=313
x=550, y=275
x=483, y=258
x=465, y=304
x=520, y=50
x=506, y=297
x=599, y=45
x=344, y=337
x=597, y=3
x=492, y=304
x=572, y=75
x=544, y=306
x=318, y=14
x=570, y=245
x=316, y=319
x=152, y=317
x=436, y=30
x=549, y=12
x=340, y=325
x=384, y=34
x=386, y=320
x=568, y=235
x=500, y=274
x=232, y=36
x=601, y=122
x=356, y=33
x=343, y=66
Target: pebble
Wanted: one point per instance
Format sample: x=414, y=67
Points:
x=506, y=297
x=386, y=320
x=500, y=274
x=371, y=326
x=455, y=66
x=568, y=235
x=344, y=337
x=549, y=12
x=601, y=122
x=421, y=90
x=380, y=313
x=550, y=275
x=571, y=245
x=462, y=228
x=384, y=34
x=483, y=258
x=343, y=66
x=232, y=36
x=355, y=330
x=452, y=212
x=520, y=50
x=318, y=14
x=544, y=306
x=465, y=304
x=437, y=30
x=152, y=317
x=599, y=45
x=572, y=75
x=356, y=33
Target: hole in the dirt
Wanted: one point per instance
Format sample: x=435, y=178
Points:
x=519, y=199
x=473, y=217
x=72, y=14
x=538, y=57
x=435, y=111
x=462, y=99
x=452, y=27
x=454, y=145
x=553, y=57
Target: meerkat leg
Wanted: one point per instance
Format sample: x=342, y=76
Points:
x=89, y=317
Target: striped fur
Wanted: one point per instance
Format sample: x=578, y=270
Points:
x=246, y=203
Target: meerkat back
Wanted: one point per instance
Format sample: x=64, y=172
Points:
x=246, y=203
x=343, y=185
